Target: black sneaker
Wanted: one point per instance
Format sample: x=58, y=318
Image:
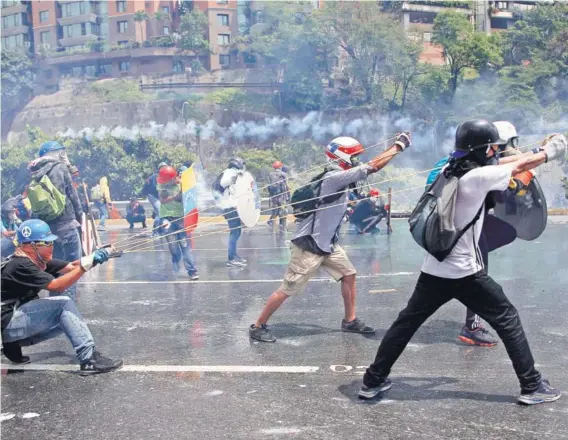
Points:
x=13, y=352
x=479, y=336
x=371, y=392
x=544, y=393
x=99, y=364
x=261, y=333
x=356, y=326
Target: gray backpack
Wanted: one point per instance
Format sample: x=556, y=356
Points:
x=432, y=220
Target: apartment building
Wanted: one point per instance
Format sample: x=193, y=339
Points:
x=16, y=25
x=486, y=16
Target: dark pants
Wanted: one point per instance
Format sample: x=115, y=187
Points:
x=479, y=293
x=236, y=227
x=495, y=234
x=139, y=218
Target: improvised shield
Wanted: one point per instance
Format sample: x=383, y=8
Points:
x=528, y=213
x=248, y=199
x=189, y=197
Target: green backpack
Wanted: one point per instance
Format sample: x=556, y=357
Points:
x=47, y=201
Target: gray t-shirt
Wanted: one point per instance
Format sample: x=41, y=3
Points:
x=328, y=217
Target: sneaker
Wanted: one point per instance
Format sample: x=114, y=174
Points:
x=356, y=326
x=99, y=364
x=176, y=266
x=101, y=228
x=13, y=352
x=479, y=336
x=241, y=259
x=144, y=226
x=193, y=276
x=131, y=227
x=371, y=392
x=544, y=393
x=235, y=263
x=261, y=333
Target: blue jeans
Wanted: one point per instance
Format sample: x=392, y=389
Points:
x=103, y=212
x=45, y=318
x=68, y=248
x=156, y=208
x=236, y=228
x=8, y=247
x=179, y=246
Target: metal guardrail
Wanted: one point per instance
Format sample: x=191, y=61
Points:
x=178, y=85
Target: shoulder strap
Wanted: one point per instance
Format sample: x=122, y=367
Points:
x=471, y=223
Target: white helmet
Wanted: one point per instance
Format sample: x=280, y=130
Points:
x=344, y=151
x=508, y=132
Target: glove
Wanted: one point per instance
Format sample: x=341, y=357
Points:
x=97, y=257
x=554, y=147
x=403, y=140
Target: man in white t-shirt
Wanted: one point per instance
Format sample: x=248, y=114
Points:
x=461, y=275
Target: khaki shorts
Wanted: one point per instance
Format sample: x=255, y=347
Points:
x=304, y=264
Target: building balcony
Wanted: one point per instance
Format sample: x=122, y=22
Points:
x=79, y=39
x=435, y=7
x=8, y=32
x=78, y=19
x=119, y=54
x=15, y=9
x=500, y=13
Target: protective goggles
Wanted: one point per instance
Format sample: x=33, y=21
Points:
x=43, y=243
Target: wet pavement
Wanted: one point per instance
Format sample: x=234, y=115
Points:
x=191, y=371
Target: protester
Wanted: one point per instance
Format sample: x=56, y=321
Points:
x=59, y=206
x=315, y=243
x=461, y=275
x=225, y=194
x=150, y=190
x=171, y=214
x=279, y=194
x=103, y=202
x=9, y=226
x=368, y=213
x=135, y=213
x=28, y=319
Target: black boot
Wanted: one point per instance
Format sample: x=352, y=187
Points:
x=13, y=352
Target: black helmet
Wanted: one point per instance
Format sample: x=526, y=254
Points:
x=237, y=163
x=477, y=133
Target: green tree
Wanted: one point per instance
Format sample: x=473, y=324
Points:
x=463, y=47
x=193, y=33
x=17, y=81
x=140, y=17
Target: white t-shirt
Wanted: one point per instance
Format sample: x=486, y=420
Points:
x=465, y=259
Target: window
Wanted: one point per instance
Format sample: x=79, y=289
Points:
x=427, y=37
x=43, y=16
x=76, y=30
x=14, y=20
x=166, y=30
x=45, y=37
x=122, y=27
x=223, y=19
x=123, y=43
x=105, y=69
x=73, y=9
x=249, y=58
x=223, y=39
x=224, y=59
x=124, y=66
x=222, y=2
x=166, y=10
x=7, y=4
x=14, y=41
x=121, y=6
x=257, y=17
x=502, y=5
x=91, y=70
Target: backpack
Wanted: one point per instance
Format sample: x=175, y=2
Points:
x=432, y=220
x=48, y=203
x=306, y=200
x=216, y=186
x=96, y=193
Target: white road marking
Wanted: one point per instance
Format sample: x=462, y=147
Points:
x=177, y=368
x=275, y=280
x=382, y=291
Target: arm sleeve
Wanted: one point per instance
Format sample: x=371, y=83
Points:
x=54, y=266
x=341, y=179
